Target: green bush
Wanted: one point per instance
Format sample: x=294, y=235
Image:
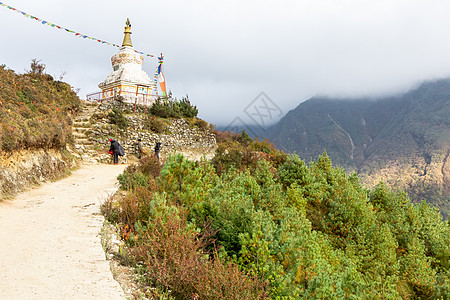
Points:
x=288, y=230
x=176, y=260
x=186, y=109
x=240, y=151
x=150, y=165
x=200, y=124
x=162, y=109
x=155, y=124
x=116, y=117
x=130, y=180
x=173, y=108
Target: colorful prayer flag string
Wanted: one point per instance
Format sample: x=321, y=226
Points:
x=65, y=29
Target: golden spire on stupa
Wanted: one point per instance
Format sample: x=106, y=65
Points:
x=127, y=37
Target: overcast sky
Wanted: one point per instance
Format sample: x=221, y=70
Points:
x=223, y=54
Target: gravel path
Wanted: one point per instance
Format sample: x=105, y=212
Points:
x=50, y=239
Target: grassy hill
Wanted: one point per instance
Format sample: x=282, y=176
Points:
x=401, y=140
x=34, y=110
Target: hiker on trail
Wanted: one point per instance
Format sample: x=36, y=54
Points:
x=157, y=148
x=114, y=150
x=139, y=149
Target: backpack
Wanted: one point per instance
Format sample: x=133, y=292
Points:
x=121, y=151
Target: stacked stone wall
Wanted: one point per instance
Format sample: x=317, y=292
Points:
x=178, y=136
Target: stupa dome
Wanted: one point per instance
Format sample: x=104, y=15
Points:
x=127, y=78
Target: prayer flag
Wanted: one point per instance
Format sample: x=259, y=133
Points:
x=59, y=27
x=162, y=81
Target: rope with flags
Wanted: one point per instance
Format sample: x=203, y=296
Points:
x=77, y=34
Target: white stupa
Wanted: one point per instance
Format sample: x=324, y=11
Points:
x=127, y=78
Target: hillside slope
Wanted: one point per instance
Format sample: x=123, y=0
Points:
x=403, y=140
x=35, y=127
x=34, y=110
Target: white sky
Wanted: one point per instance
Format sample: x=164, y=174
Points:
x=223, y=54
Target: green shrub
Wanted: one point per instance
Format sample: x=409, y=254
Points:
x=201, y=124
x=173, y=108
x=284, y=229
x=130, y=180
x=154, y=124
x=176, y=259
x=116, y=117
x=186, y=109
x=244, y=138
x=186, y=183
x=164, y=109
x=110, y=210
x=150, y=165
x=294, y=171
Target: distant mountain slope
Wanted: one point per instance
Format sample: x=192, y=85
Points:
x=403, y=140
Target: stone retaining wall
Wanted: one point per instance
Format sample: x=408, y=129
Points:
x=178, y=136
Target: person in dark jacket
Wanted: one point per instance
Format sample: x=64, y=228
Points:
x=157, y=148
x=114, y=150
x=139, y=148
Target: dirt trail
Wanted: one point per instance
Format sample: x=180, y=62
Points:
x=50, y=239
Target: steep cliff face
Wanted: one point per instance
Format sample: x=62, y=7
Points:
x=401, y=140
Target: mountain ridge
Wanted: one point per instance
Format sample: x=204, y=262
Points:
x=402, y=140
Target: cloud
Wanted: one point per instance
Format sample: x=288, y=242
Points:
x=224, y=53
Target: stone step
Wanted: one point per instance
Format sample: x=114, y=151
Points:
x=79, y=147
x=81, y=120
x=87, y=110
x=89, y=160
x=78, y=134
x=80, y=129
x=83, y=142
x=83, y=146
x=90, y=104
x=82, y=150
x=81, y=124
